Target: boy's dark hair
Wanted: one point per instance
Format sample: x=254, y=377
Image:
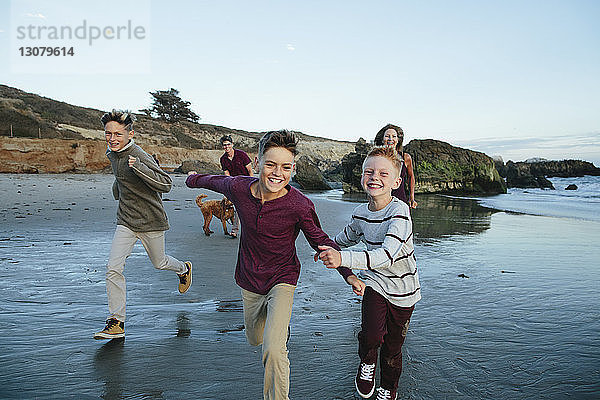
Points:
x=282, y=138
x=386, y=152
x=226, y=138
x=379, y=136
x=124, y=117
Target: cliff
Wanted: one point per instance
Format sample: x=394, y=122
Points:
x=26, y=155
x=438, y=167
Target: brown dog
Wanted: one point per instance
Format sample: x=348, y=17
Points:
x=222, y=209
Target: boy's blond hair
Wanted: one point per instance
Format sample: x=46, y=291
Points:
x=386, y=152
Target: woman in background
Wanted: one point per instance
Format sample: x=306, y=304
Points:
x=392, y=135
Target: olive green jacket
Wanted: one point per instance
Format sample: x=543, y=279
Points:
x=138, y=189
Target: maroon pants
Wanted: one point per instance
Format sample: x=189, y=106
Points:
x=383, y=325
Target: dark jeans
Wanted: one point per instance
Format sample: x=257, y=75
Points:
x=383, y=325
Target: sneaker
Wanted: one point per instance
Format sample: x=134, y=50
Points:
x=384, y=394
x=365, y=380
x=185, y=279
x=113, y=329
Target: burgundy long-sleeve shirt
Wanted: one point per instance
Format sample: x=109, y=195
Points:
x=267, y=251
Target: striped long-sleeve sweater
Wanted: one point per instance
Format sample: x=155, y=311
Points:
x=389, y=263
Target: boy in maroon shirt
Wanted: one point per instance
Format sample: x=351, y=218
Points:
x=234, y=162
x=272, y=214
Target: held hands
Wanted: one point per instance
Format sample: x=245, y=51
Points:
x=333, y=259
x=358, y=286
x=132, y=161
x=192, y=173
x=413, y=204
x=330, y=257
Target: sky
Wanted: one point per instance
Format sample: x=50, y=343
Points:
x=518, y=79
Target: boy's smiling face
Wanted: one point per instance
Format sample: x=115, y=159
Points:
x=275, y=171
x=117, y=135
x=379, y=177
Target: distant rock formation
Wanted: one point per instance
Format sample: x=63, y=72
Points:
x=519, y=175
x=564, y=169
x=535, y=160
x=199, y=166
x=438, y=167
x=352, y=167
x=533, y=174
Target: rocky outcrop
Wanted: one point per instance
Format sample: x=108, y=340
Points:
x=438, y=167
x=518, y=175
x=533, y=173
x=309, y=176
x=500, y=166
x=441, y=167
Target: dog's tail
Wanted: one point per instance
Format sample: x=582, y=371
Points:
x=199, y=199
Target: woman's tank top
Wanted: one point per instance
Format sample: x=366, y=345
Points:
x=400, y=193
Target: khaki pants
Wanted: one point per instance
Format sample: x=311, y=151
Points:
x=267, y=318
x=121, y=248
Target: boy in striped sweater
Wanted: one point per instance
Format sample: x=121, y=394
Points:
x=388, y=269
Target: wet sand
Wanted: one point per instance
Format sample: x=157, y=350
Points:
x=531, y=332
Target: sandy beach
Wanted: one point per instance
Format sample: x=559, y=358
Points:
x=524, y=324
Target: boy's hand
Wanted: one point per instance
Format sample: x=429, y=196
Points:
x=358, y=286
x=132, y=161
x=330, y=257
x=192, y=173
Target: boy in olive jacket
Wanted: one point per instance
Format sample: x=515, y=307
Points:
x=138, y=185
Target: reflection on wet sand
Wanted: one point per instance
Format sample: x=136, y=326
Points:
x=439, y=216
x=107, y=361
x=442, y=216
x=230, y=306
x=183, y=325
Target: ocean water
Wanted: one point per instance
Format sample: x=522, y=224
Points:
x=583, y=203
x=510, y=306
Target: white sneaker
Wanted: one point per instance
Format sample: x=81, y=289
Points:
x=384, y=394
x=365, y=380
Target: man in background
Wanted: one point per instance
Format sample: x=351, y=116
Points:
x=234, y=162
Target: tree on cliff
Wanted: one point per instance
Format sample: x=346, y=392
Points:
x=168, y=106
